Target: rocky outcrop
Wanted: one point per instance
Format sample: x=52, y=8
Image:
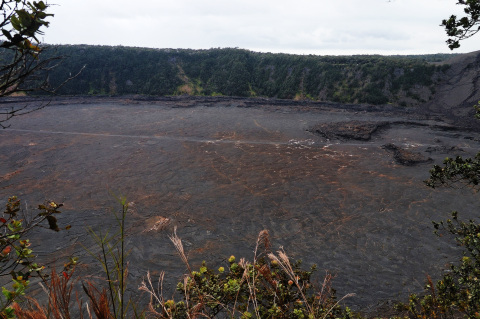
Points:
x=406, y=157
x=443, y=149
x=351, y=130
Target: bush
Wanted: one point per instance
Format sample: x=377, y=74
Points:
x=269, y=287
x=16, y=256
x=458, y=292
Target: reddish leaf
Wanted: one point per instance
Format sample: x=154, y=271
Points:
x=6, y=250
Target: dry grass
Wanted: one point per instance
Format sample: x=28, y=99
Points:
x=33, y=311
x=177, y=242
x=284, y=262
x=59, y=290
x=98, y=301
x=250, y=277
x=255, y=278
x=155, y=293
x=60, y=303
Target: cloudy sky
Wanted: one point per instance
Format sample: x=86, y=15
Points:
x=300, y=26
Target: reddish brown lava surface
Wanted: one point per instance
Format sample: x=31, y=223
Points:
x=221, y=170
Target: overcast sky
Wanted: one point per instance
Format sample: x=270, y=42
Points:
x=301, y=26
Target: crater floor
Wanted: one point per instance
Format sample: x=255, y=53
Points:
x=221, y=170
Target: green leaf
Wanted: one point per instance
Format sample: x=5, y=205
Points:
x=6, y=293
x=7, y=34
x=40, y=5
x=25, y=18
x=15, y=23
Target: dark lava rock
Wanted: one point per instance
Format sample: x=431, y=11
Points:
x=222, y=172
x=405, y=157
x=352, y=130
x=443, y=149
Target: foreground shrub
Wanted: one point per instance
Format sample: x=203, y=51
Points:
x=457, y=293
x=269, y=287
x=16, y=256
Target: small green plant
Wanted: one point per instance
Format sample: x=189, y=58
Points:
x=458, y=291
x=16, y=255
x=105, y=298
x=113, y=260
x=269, y=287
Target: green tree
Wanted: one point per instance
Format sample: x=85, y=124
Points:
x=22, y=68
x=19, y=60
x=465, y=27
x=21, y=24
x=16, y=256
x=458, y=291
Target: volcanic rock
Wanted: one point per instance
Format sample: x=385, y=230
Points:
x=351, y=130
x=406, y=157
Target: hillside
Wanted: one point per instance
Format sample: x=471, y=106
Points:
x=458, y=90
x=397, y=80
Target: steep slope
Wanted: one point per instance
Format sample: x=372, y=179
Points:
x=458, y=90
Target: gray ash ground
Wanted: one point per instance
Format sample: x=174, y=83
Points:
x=221, y=170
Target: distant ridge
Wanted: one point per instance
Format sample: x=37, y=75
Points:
x=370, y=79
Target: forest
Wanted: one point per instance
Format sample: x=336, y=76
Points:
x=371, y=79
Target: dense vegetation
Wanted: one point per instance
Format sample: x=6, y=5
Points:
x=373, y=79
x=22, y=66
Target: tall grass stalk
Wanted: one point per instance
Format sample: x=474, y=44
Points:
x=113, y=259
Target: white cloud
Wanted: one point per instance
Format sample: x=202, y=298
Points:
x=301, y=26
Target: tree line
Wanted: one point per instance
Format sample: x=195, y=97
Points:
x=372, y=79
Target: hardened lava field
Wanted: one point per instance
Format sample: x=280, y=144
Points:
x=221, y=170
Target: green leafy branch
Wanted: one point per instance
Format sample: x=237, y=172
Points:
x=16, y=255
x=24, y=23
x=463, y=28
